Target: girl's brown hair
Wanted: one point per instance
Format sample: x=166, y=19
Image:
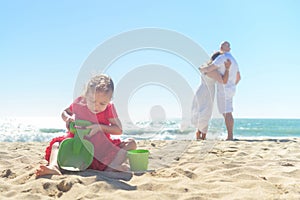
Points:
x=100, y=83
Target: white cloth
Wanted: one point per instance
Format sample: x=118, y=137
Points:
x=226, y=92
x=203, y=104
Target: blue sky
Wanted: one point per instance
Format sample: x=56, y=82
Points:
x=44, y=44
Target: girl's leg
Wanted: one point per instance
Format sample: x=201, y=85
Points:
x=116, y=164
x=129, y=144
x=52, y=167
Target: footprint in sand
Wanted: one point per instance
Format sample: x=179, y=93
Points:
x=7, y=173
x=187, y=173
x=64, y=186
x=57, y=190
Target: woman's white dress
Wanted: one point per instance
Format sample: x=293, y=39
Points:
x=203, y=102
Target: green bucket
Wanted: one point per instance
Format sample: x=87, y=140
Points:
x=138, y=159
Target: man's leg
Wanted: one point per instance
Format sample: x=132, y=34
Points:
x=229, y=121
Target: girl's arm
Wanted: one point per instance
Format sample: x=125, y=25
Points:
x=115, y=127
x=68, y=116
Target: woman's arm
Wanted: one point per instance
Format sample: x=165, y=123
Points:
x=217, y=76
x=208, y=68
x=225, y=77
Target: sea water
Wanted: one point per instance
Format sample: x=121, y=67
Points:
x=43, y=129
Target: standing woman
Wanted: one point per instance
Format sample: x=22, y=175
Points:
x=204, y=98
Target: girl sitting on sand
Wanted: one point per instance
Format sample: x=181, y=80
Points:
x=95, y=106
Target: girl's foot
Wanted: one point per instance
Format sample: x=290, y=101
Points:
x=47, y=170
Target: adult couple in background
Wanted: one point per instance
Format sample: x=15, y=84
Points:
x=222, y=70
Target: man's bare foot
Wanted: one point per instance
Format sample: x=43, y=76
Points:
x=47, y=170
x=203, y=136
x=120, y=168
x=229, y=139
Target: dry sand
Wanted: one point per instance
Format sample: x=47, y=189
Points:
x=242, y=169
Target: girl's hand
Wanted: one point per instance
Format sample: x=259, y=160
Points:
x=68, y=121
x=95, y=128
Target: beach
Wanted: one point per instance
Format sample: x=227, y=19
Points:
x=211, y=169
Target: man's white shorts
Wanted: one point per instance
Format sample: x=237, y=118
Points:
x=224, y=100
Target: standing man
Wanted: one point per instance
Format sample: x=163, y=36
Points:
x=226, y=91
x=204, y=98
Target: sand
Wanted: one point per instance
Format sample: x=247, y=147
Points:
x=241, y=169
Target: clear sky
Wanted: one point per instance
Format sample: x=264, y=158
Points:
x=43, y=45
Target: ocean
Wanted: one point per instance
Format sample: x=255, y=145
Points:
x=43, y=129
